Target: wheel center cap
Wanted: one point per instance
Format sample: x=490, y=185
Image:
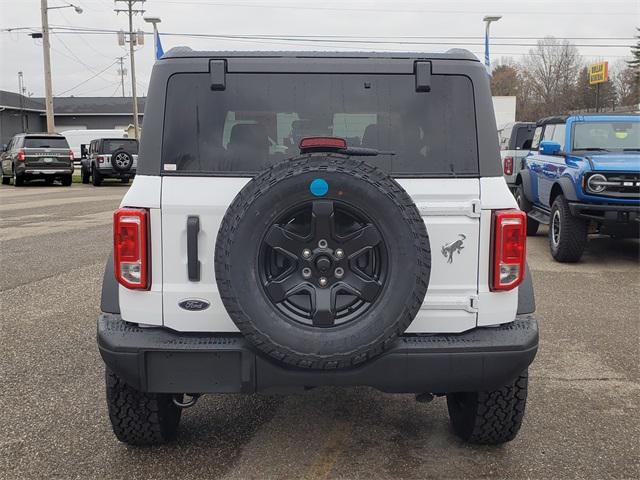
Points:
x=323, y=263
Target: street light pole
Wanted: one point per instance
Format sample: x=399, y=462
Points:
x=46, y=50
x=154, y=21
x=487, y=20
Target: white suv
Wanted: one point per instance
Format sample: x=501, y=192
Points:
x=305, y=219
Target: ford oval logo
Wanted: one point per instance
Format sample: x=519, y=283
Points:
x=194, y=304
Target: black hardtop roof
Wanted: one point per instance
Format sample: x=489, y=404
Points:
x=553, y=119
x=451, y=54
x=117, y=138
x=518, y=124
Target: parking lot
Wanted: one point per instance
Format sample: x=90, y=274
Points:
x=583, y=416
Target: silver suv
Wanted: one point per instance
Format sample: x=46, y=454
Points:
x=109, y=158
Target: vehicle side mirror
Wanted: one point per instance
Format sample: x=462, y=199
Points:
x=547, y=147
x=84, y=153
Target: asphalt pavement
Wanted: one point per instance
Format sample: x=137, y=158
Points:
x=582, y=420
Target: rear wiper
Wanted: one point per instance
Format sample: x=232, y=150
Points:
x=363, y=152
x=594, y=149
x=631, y=149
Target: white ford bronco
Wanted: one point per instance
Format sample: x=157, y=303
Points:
x=309, y=219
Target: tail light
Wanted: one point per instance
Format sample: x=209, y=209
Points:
x=20, y=156
x=100, y=159
x=509, y=249
x=508, y=165
x=71, y=156
x=130, y=247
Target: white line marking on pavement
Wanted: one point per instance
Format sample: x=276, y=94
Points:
x=56, y=201
x=56, y=226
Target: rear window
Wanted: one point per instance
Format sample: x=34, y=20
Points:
x=45, y=142
x=259, y=119
x=524, y=137
x=110, y=146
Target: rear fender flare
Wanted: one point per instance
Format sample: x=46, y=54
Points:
x=525, y=180
x=526, y=296
x=110, y=300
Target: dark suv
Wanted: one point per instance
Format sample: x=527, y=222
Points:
x=109, y=158
x=33, y=156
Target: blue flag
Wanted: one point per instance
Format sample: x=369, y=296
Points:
x=159, y=50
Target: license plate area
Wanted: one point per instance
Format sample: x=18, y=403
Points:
x=194, y=372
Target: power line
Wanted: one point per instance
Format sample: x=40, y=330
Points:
x=363, y=40
x=87, y=80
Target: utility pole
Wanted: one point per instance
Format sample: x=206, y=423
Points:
x=122, y=72
x=131, y=11
x=46, y=50
x=21, y=92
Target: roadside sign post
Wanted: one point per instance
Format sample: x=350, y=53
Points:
x=598, y=73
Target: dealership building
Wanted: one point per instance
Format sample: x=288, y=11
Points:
x=27, y=114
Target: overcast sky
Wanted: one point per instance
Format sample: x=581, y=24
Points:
x=76, y=58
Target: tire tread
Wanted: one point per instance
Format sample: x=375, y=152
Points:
x=140, y=418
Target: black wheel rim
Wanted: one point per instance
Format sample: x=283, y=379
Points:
x=323, y=263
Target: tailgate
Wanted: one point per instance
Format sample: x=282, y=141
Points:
x=47, y=158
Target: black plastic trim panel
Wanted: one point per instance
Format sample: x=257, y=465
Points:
x=110, y=299
x=162, y=360
x=526, y=297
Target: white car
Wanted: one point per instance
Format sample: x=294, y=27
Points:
x=377, y=245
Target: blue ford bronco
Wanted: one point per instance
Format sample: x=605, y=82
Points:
x=582, y=176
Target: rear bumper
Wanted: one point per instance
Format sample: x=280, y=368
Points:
x=162, y=360
x=35, y=171
x=606, y=213
x=111, y=173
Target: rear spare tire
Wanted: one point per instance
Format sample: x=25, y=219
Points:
x=322, y=261
x=121, y=161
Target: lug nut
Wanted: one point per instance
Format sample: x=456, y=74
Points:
x=323, y=282
x=306, y=253
x=322, y=243
x=306, y=272
x=339, y=272
x=339, y=253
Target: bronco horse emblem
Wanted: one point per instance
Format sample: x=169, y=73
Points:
x=449, y=249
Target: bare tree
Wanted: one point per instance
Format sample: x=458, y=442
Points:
x=504, y=80
x=551, y=71
x=627, y=83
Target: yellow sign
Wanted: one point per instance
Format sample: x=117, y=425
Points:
x=598, y=73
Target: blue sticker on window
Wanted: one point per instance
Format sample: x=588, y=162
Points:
x=319, y=187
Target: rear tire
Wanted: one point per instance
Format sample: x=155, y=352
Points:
x=86, y=176
x=140, y=418
x=526, y=206
x=489, y=418
x=567, y=234
x=96, y=178
x=6, y=180
x=18, y=180
x=124, y=180
x=67, y=180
